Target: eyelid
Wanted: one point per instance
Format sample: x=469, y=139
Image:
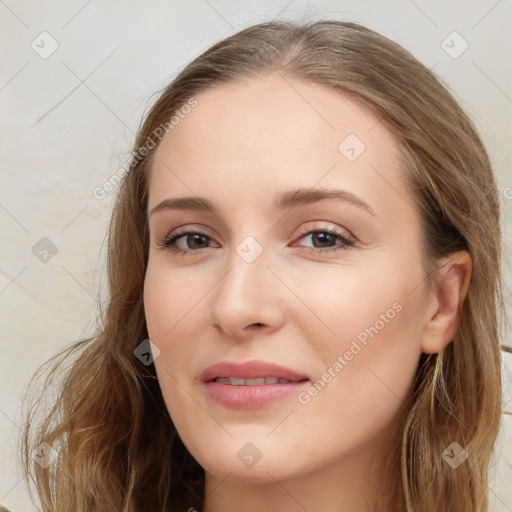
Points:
x=307, y=229
x=188, y=229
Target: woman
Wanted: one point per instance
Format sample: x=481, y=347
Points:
x=304, y=269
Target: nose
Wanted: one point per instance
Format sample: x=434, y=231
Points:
x=248, y=299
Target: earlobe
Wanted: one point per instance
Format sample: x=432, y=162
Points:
x=451, y=288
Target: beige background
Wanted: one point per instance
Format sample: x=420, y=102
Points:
x=68, y=121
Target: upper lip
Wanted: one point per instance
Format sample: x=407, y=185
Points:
x=249, y=370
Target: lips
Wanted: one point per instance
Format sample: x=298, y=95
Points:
x=251, y=382
x=251, y=385
x=250, y=371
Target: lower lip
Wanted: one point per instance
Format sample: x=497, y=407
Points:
x=252, y=397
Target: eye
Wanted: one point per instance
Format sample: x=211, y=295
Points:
x=190, y=239
x=188, y=242
x=325, y=238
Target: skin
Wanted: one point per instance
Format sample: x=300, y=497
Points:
x=241, y=146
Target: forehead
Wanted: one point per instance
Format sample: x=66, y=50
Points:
x=273, y=133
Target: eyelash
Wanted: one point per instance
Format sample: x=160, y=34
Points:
x=168, y=242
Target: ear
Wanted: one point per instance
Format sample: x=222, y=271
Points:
x=451, y=287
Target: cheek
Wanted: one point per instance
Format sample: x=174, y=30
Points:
x=172, y=300
x=172, y=309
x=169, y=313
x=347, y=304
x=370, y=358
x=372, y=319
x=175, y=309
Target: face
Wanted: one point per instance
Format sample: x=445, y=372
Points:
x=299, y=248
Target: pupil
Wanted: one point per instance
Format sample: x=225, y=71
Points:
x=196, y=237
x=326, y=237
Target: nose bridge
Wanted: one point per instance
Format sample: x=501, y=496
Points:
x=247, y=294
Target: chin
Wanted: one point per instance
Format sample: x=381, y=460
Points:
x=264, y=471
x=250, y=459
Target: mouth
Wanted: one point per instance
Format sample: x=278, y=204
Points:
x=251, y=373
x=251, y=385
x=259, y=381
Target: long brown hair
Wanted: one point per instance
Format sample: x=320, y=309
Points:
x=116, y=446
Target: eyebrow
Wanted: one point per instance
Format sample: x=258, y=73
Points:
x=290, y=199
